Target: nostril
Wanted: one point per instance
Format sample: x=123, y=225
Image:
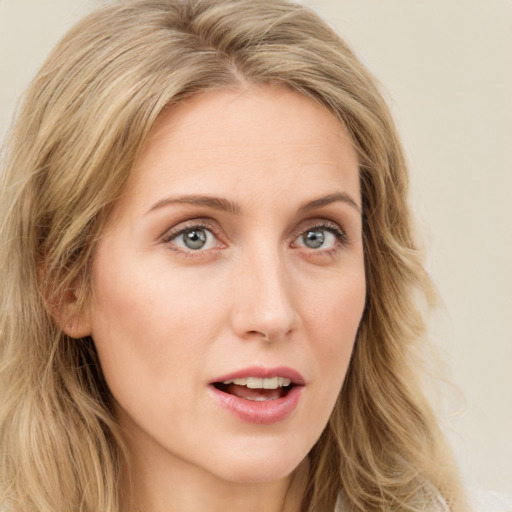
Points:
x=264, y=335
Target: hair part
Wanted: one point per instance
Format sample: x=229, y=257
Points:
x=84, y=120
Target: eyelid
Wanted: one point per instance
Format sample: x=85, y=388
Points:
x=322, y=224
x=184, y=226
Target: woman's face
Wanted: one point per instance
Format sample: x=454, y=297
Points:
x=235, y=253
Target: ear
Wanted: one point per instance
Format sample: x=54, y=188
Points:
x=70, y=313
x=75, y=320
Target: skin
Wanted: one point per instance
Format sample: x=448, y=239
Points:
x=167, y=320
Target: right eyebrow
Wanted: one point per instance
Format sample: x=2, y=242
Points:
x=217, y=203
x=331, y=198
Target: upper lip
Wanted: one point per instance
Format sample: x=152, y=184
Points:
x=264, y=373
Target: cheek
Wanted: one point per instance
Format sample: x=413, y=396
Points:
x=336, y=309
x=332, y=326
x=125, y=320
x=150, y=323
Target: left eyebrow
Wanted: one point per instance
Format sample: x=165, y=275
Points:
x=329, y=199
x=217, y=203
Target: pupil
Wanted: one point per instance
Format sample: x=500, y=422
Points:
x=314, y=239
x=195, y=239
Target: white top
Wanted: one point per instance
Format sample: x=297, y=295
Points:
x=480, y=501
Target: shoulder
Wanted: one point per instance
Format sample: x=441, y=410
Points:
x=480, y=501
x=435, y=504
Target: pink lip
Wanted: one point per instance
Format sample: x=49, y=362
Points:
x=270, y=411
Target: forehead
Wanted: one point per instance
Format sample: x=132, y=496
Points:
x=245, y=139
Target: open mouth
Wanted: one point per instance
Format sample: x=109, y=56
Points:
x=256, y=389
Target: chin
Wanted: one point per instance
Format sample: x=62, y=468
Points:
x=253, y=467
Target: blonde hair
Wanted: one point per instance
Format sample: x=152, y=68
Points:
x=84, y=120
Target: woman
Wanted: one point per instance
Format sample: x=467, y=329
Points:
x=177, y=337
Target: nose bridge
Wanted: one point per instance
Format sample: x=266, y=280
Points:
x=264, y=298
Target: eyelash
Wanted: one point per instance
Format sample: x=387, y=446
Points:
x=169, y=236
x=340, y=235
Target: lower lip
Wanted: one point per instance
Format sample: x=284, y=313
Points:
x=269, y=411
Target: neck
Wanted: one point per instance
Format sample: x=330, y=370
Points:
x=182, y=487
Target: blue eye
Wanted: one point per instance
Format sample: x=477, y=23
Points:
x=194, y=238
x=314, y=239
x=320, y=237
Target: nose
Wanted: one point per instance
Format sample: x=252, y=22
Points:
x=264, y=299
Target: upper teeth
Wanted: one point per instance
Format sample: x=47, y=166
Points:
x=257, y=383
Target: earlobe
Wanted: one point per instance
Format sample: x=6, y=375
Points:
x=77, y=325
x=71, y=315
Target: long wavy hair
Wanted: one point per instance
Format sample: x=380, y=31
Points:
x=82, y=124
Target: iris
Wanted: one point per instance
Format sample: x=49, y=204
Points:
x=314, y=239
x=194, y=238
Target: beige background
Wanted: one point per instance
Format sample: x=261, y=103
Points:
x=447, y=66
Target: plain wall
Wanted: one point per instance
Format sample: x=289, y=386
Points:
x=447, y=67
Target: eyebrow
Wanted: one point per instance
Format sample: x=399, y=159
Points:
x=217, y=203
x=331, y=198
x=222, y=204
